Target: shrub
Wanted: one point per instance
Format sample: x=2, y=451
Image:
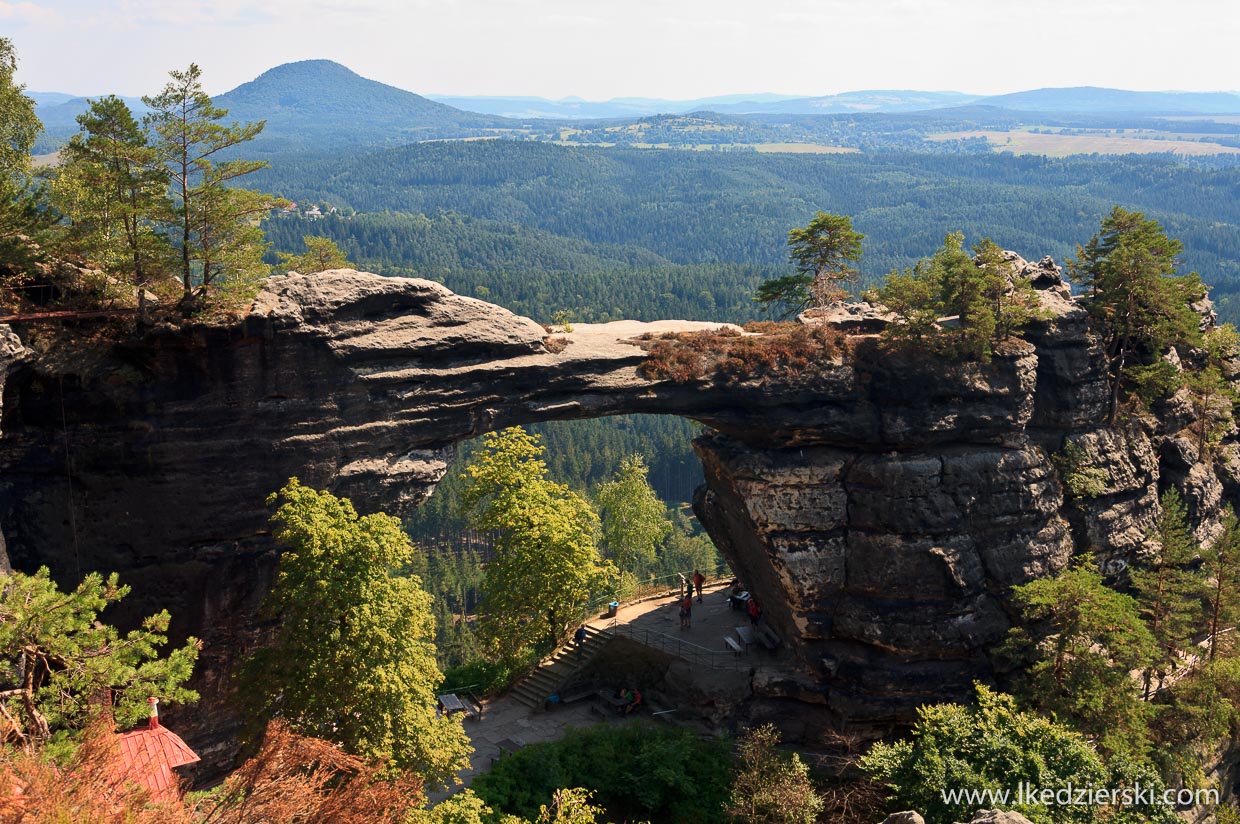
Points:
x=637, y=772
x=783, y=350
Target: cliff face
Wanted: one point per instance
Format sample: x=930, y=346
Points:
x=879, y=510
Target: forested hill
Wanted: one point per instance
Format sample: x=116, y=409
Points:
x=702, y=209
x=321, y=104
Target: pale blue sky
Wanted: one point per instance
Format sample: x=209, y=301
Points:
x=657, y=48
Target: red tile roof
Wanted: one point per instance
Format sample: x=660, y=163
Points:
x=148, y=756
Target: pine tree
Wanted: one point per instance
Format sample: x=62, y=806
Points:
x=1222, y=569
x=110, y=189
x=1137, y=303
x=823, y=253
x=214, y=223
x=321, y=254
x=20, y=217
x=58, y=658
x=1012, y=299
x=1169, y=592
x=1080, y=670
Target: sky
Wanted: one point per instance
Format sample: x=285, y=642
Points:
x=598, y=49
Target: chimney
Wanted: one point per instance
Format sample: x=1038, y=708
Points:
x=154, y=704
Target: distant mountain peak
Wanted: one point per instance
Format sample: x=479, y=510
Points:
x=322, y=104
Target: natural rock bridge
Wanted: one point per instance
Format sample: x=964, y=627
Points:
x=880, y=513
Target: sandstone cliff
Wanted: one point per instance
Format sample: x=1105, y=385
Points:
x=880, y=511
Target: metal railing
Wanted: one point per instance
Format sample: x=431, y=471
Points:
x=673, y=645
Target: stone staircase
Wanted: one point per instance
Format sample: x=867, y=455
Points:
x=554, y=672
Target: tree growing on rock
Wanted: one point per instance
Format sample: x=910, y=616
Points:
x=1137, y=301
x=823, y=253
x=1222, y=569
x=20, y=217
x=110, y=188
x=988, y=301
x=321, y=254
x=353, y=659
x=214, y=223
x=546, y=564
x=60, y=661
x=1169, y=591
x=1079, y=669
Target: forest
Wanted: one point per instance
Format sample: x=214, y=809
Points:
x=641, y=210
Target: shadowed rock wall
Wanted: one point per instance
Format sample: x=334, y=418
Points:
x=880, y=508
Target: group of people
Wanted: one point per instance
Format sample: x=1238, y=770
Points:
x=632, y=700
x=686, y=601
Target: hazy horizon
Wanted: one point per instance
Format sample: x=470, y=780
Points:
x=557, y=49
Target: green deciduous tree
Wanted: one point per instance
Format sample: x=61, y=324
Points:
x=19, y=125
x=215, y=224
x=823, y=253
x=1080, y=670
x=546, y=563
x=634, y=519
x=59, y=660
x=321, y=254
x=770, y=786
x=110, y=189
x=20, y=217
x=994, y=746
x=1169, y=592
x=1138, y=304
x=353, y=659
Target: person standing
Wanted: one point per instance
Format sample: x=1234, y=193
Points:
x=686, y=611
x=755, y=610
x=698, y=580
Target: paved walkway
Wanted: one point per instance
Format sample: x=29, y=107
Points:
x=506, y=724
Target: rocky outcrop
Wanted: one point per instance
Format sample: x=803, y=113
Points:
x=880, y=506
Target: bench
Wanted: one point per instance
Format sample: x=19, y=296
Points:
x=746, y=635
x=731, y=644
x=768, y=637
x=577, y=694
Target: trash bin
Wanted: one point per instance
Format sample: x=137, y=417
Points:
x=611, y=609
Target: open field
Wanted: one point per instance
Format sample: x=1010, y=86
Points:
x=802, y=148
x=1062, y=145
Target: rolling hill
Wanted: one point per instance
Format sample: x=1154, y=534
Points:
x=322, y=105
x=1099, y=101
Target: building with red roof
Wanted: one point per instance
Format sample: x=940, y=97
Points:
x=148, y=755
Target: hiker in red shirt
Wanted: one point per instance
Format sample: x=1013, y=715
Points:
x=686, y=611
x=755, y=611
x=698, y=580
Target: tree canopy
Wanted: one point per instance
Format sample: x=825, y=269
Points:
x=353, y=659
x=60, y=661
x=1080, y=671
x=546, y=564
x=321, y=254
x=1138, y=302
x=214, y=222
x=634, y=520
x=823, y=253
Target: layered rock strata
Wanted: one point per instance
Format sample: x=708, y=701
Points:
x=881, y=508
